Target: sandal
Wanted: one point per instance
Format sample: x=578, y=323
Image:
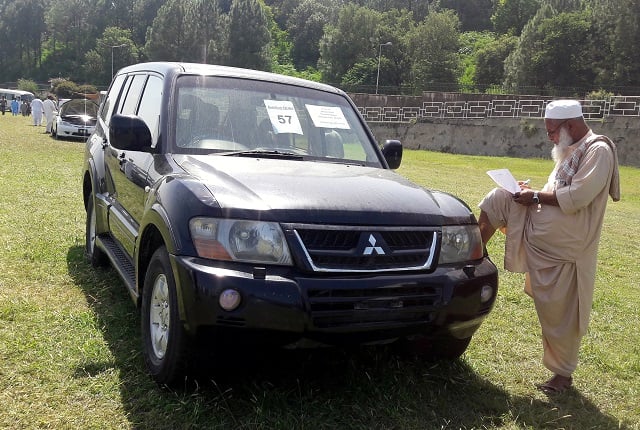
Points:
x=556, y=385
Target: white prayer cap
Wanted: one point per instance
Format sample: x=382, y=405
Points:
x=563, y=109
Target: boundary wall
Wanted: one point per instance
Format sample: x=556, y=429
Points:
x=492, y=125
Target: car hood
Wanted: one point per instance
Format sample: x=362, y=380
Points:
x=304, y=191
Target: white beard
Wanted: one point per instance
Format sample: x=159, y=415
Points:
x=561, y=150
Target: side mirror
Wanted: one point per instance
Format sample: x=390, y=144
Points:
x=129, y=132
x=392, y=151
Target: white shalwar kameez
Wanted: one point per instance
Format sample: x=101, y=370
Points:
x=36, y=111
x=557, y=246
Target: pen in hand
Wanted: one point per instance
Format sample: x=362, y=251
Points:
x=524, y=184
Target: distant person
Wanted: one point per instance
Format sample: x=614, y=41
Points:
x=15, y=106
x=24, y=108
x=3, y=104
x=37, y=109
x=552, y=234
x=49, y=108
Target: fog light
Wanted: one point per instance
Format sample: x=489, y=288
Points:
x=229, y=300
x=486, y=293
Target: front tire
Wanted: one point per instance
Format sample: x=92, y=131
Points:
x=163, y=336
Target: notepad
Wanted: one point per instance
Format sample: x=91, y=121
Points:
x=505, y=179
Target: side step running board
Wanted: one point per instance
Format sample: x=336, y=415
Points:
x=119, y=260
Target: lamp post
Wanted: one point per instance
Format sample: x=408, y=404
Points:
x=112, y=48
x=380, y=55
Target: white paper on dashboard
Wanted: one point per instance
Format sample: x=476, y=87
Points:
x=505, y=179
x=283, y=116
x=328, y=117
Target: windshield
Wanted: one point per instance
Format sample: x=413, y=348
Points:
x=237, y=116
x=79, y=107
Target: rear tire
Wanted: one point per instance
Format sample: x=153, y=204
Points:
x=163, y=336
x=96, y=257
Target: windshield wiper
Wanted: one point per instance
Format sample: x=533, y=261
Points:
x=263, y=153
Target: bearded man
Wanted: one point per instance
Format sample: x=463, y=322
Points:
x=552, y=234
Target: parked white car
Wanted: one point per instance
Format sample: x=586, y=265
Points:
x=76, y=119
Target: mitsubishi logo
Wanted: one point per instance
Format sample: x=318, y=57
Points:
x=373, y=249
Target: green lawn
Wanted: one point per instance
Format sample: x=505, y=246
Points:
x=69, y=337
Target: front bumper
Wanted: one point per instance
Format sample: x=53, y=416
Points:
x=335, y=309
x=74, y=131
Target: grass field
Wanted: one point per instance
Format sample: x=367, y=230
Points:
x=70, y=343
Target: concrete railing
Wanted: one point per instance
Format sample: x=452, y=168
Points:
x=390, y=110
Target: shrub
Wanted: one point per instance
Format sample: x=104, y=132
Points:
x=599, y=95
x=87, y=89
x=65, y=89
x=28, y=85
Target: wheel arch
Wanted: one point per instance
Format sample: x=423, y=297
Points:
x=91, y=186
x=150, y=240
x=87, y=188
x=90, y=180
x=155, y=232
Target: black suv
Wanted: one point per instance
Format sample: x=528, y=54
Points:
x=240, y=206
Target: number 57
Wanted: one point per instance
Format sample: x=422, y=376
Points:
x=284, y=119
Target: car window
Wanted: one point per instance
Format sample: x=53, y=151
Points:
x=133, y=95
x=112, y=97
x=150, y=104
x=227, y=114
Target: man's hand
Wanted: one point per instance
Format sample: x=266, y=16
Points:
x=524, y=197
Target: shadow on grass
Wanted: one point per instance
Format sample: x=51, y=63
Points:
x=354, y=388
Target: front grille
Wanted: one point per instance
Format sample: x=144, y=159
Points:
x=335, y=308
x=366, y=249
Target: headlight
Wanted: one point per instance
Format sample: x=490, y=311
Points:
x=460, y=243
x=240, y=240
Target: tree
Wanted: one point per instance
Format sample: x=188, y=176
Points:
x=249, y=36
x=553, y=53
x=510, y=16
x=187, y=30
x=281, y=46
x=98, y=65
x=615, y=39
x=433, y=48
x=351, y=48
x=166, y=38
x=418, y=9
x=28, y=85
x=21, y=30
x=354, y=37
x=361, y=73
x=69, y=24
x=474, y=15
x=144, y=11
x=201, y=27
x=396, y=63
x=516, y=64
x=282, y=9
x=471, y=44
x=489, y=60
x=306, y=27
x=111, y=13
